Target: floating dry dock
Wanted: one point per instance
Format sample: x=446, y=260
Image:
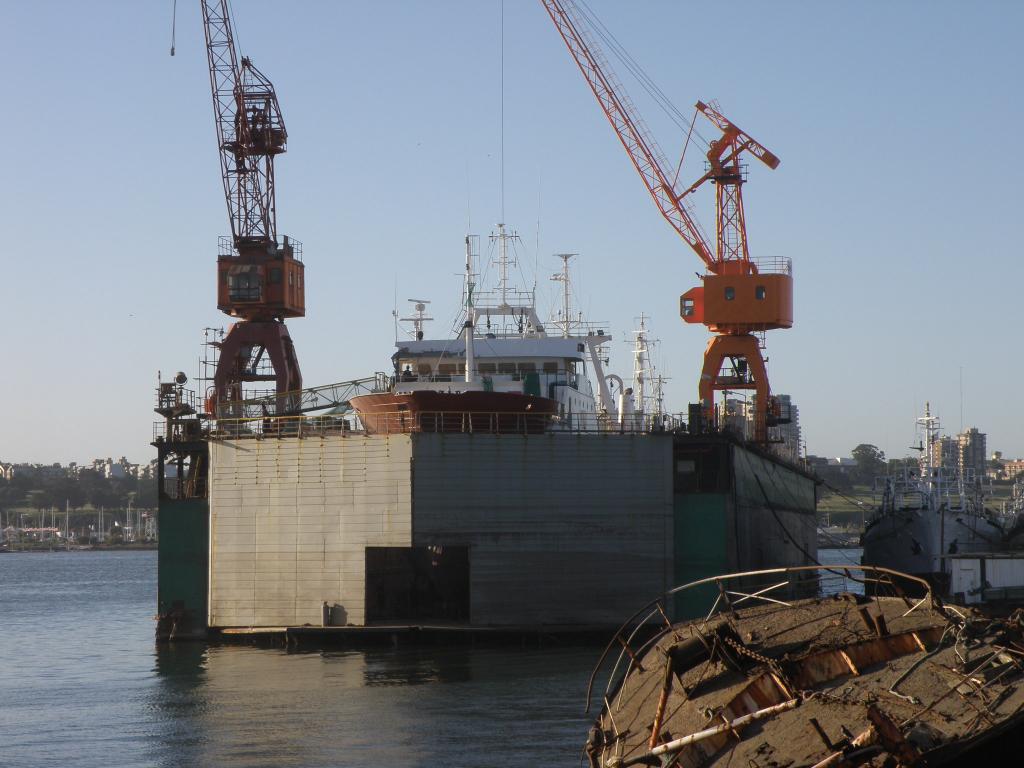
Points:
x=312, y=526
x=837, y=681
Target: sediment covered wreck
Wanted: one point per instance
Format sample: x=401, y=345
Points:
x=843, y=680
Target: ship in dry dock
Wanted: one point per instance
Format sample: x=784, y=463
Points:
x=503, y=373
x=331, y=519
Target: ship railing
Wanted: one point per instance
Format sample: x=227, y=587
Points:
x=470, y=422
x=302, y=401
x=770, y=586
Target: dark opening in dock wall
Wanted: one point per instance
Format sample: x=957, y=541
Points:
x=417, y=584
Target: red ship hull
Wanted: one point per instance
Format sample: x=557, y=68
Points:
x=475, y=411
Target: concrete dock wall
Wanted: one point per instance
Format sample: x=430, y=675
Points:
x=552, y=530
x=290, y=519
x=562, y=529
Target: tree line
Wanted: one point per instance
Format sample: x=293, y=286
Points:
x=87, y=488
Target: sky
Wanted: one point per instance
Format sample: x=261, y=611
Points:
x=897, y=197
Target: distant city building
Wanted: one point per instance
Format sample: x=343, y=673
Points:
x=735, y=415
x=1011, y=468
x=971, y=453
x=843, y=462
x=966, y=454
x=944, y=453
x=11, y=471
x=789, y=434
x=108, y=468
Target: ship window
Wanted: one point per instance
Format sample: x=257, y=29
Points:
x=487, y=368
x=424, y=369
x=551, y=367
x=506, y=367
x=527, y=367
x=446, y=369
x=730, y=293
x=760, y=292
x=462, y=368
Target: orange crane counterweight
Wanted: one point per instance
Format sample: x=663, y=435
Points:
x=739, y=296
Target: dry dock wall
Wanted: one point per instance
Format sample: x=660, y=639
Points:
x=568, y=530
x=290, y=519
x=736, y=510
x=562, y=529
x=529, y=531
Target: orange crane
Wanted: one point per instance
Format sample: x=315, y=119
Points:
x=739, y=297
x=260, y=280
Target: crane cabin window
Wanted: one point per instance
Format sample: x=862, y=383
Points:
x=688, y=308
x=760, y=292
x=244, y=284
x=730, y=293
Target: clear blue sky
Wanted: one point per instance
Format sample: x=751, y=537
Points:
x=897, y=198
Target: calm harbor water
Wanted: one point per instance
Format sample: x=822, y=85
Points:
x=82, y=684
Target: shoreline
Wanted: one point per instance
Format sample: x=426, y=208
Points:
x=81, y=548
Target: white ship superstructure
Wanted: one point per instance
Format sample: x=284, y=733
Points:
x=504, y=347
x=928, y=517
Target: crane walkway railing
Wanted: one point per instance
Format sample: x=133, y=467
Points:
x=773, y=265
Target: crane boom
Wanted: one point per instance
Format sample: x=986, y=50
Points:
x=647, y=157
x=250, y=131
x=738, y=297
x=736, y=139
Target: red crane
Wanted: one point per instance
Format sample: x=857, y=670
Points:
x=739, y=297
x=260, y=280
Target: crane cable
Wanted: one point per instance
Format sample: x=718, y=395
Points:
x=634, y=68
x=174, y=23
x=682, y=155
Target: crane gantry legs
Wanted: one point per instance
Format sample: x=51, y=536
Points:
x=748, y=372
x=241, y=353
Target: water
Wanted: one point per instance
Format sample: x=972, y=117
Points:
x=82, y=683
x=831, y=583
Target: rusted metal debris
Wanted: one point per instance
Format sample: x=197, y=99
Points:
x=836, y=681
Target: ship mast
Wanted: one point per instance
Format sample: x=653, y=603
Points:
x=930, y=425
x=640, y=363
x=563, y=278
x=468, y=327
x=504, y=261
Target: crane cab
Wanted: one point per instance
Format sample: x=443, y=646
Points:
x=759, y=300
x=261, y=281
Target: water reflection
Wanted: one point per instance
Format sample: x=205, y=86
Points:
x=234, y=706
x=417, y=667
x=84, y=684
